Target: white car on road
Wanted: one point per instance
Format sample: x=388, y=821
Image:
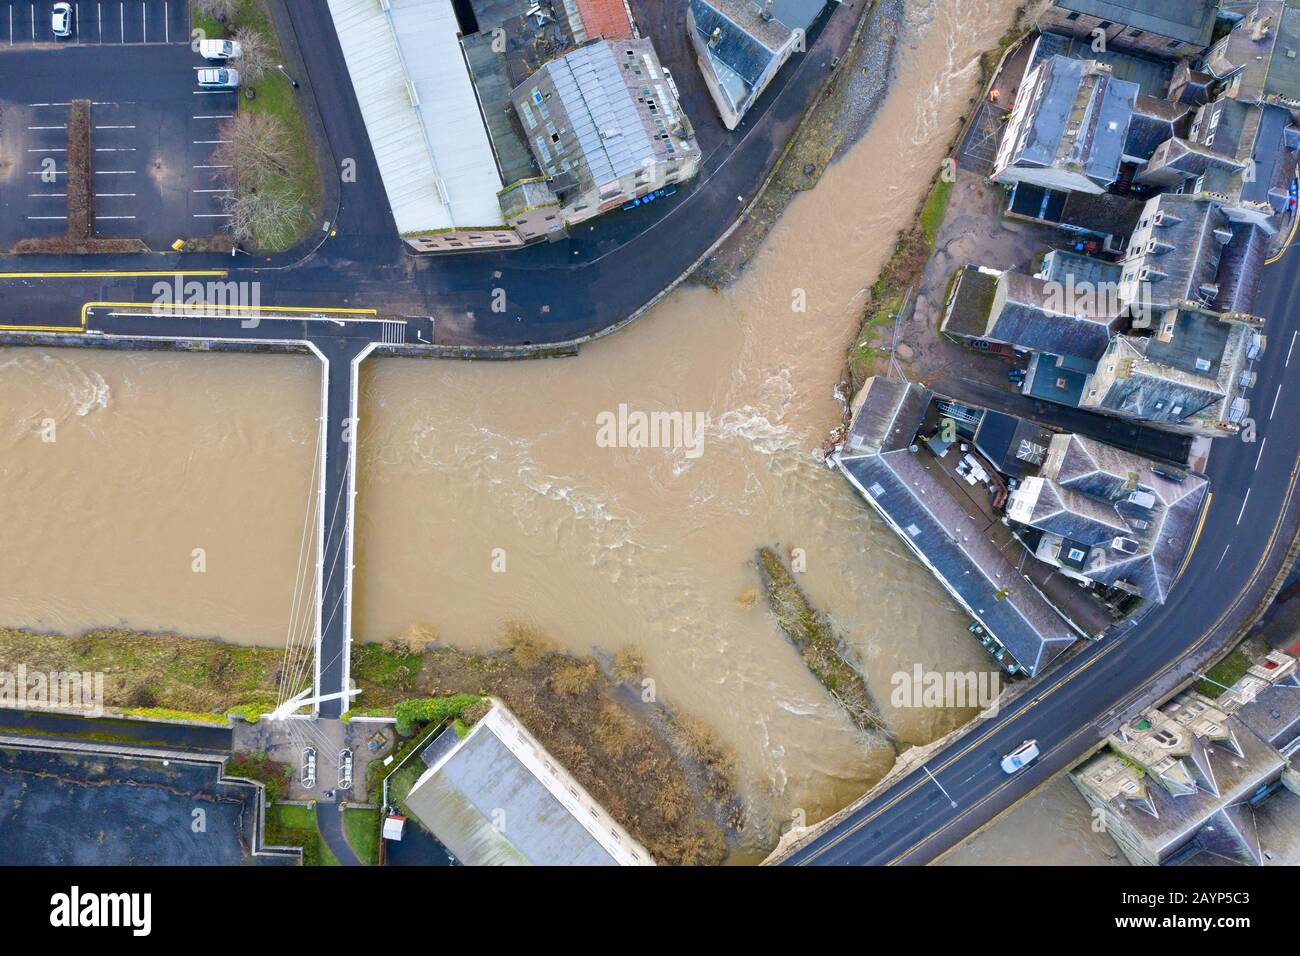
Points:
x=61, y=20
x=1021, y=757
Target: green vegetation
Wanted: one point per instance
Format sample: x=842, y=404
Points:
x=275, y=97
x=1232, y=668
x=258, y=766
x=296, y=826
x=812, y=636
x=901, y=273
x=409, y=713
x=932, y=213
x=668, y=780
x=361, y=827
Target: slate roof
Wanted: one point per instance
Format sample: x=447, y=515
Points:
x=1189, y=238
x=1107, y=476
x=746, y=45
x=1080, y=118
x=1268, y=72
x=972, y=298
x=1191, y=21
x=938, y=529
x=1153, y=122
x=1028, y=314
x=1013, y=446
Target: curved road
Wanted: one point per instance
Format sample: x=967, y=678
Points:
x=589, y=283
x=1248, y=527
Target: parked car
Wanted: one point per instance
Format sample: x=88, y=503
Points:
x=1021, y=757
x=220, y=78
x=219, y=50
x=61, y=20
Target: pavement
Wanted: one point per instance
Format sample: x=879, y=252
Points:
x=1237, y=555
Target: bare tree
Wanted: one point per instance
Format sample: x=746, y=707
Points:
x=254, y=54
x=266, y=215
x=256, y=149
x=220, y=10
x=264, y=207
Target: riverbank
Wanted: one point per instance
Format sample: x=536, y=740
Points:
x=835, y=122
x=666, y=777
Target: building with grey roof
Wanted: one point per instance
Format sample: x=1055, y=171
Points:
x=742, y=44
x=1169, y=28
x=1036, y=314
x=1068, y=127
x=1257, y=60
x=879, y=459
x=497, y=798
x=1180, y=782
x=605, y=127
x=1104, y=515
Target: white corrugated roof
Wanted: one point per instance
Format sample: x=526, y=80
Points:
x=442, y=141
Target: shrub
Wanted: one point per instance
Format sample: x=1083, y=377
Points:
x=409, y=713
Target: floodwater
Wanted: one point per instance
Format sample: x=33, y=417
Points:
x=486, y=497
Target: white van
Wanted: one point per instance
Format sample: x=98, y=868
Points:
x=221, y=78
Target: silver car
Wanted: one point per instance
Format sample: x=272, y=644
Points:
x=218, y=78
x=1021, y=757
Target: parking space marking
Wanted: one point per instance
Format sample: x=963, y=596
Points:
x=98, y=217
x=212, y=215
x=47, y=127
x=52, y=172
x=111, y=195
x=208, y=142
x=212, y=190
x=226, y=166
x=115, y=172
x=47, y=195
x=214, y=116
x=47, y=149
x=47, y=217
x=114, y=127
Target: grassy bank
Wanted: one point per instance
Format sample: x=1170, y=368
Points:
x=901, y=272
x=361, y=827
x=275, y=96
x=664, y=776
x=812, y=636
x=1232, y=667
x=171, y=677
x=296, y=826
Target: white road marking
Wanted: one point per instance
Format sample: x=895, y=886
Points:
x=1261, y=453
x=208, y=142
x=111, y=195
x=115, y=217
x=212, y=215
x=167, y=22
x=49, y=127
x=115, y=149
x=1275, y=398
x=47, y=149
x=212, y=190
x=116, y=127
x=1221, y=557
x=226, y=166
x=52, y=172
x=47, y=217
x=114, y=172
x=1292, y=348
x=47, y=195
x=1243, y=506
x=214, y=116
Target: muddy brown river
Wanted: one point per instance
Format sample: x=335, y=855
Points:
x=466, y=469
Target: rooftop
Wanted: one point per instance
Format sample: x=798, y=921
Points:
x=1191, y=21
x=421, y=112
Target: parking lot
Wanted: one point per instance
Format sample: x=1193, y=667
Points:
x=153, y=132
x=98, y=21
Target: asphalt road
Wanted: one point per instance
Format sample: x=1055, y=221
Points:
x=1247, y=529
x=554, y=292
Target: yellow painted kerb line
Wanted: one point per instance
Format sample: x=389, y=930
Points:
x=266, y=312
x=1209, y=497
x=169, y=273
x=1295, y=222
